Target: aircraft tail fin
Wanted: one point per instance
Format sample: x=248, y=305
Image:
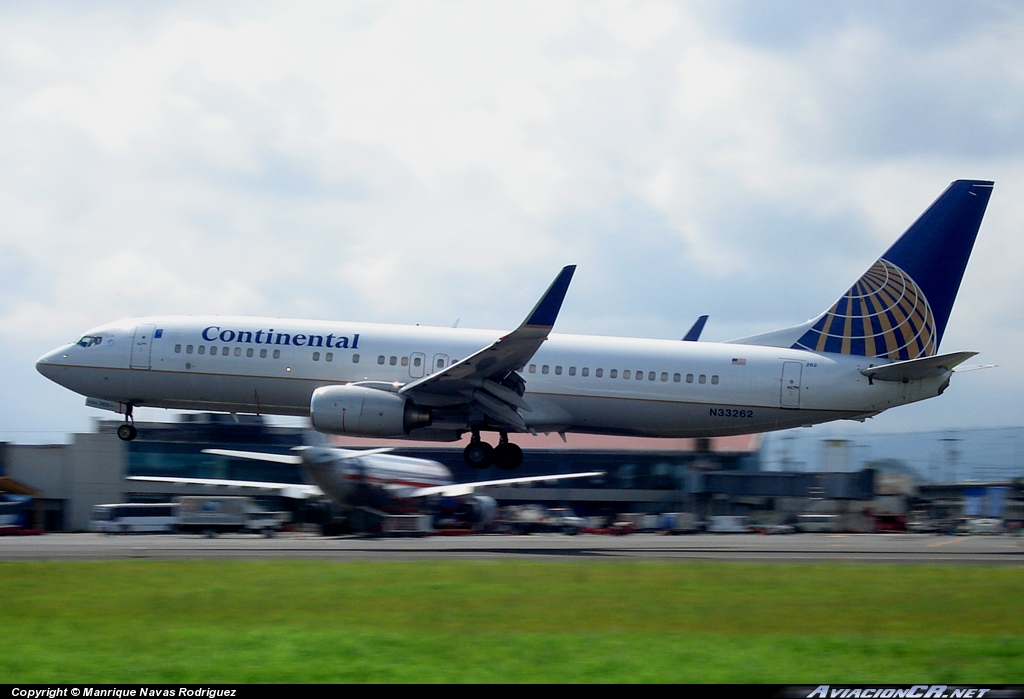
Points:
x=899, y=308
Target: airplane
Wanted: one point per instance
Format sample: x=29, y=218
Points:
x=356, y=483
x=873, y=349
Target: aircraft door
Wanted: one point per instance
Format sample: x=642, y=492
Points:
x=142, y=346
x=791, y=375
x=417, y=363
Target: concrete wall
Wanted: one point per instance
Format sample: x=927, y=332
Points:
x=87, y=472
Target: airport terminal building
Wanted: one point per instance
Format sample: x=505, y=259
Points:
x=720, y=476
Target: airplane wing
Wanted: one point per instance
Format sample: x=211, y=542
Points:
x=336, y=454
x=297, y=491
x=476, y=378
x=458, y=489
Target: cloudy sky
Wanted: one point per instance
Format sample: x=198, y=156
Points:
x=431, y=161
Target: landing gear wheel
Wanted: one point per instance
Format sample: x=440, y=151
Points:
x=127, y=431
x=478, y=454
x=508, y=456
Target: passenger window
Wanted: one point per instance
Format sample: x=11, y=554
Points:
x=188, y=349
x=585, y=371
x=249, y=352
x=714, y=379
x=599, y=373
x=689, y=378
x=316, y=356
x=650, y=376
x=177, y=349
x=277, y=354
x=702, y=379
x=558, y=370
x=330, y=356
x=544, y=369
x=533, y=368
x=625, y=374
x=224, y=351
x=572, y=371
x=393, y=361
x=238, y=351
x=381, y=359
x=355, y=357
x=417, y=361
x=405, y=361
x=613, y=373
x=202, y=349
x=263, y=354
x=664, y=376
x=677, y=377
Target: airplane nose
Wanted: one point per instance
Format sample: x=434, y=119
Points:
x=47, y=364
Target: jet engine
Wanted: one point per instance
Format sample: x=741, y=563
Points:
x=474, y=510
x=482, y=509
x=360, y=411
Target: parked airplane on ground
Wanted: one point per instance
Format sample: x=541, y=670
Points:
x=357, y=483
x=873, y=349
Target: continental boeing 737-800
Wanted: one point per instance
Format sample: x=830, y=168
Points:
x=873, y=349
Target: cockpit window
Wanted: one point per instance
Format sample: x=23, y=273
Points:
x=90, y=340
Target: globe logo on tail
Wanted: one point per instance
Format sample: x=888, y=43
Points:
x=885, y=314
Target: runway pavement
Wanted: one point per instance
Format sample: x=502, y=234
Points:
x=791, y=548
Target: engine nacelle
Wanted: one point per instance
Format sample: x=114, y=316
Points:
x=360, y=411
x=482, y=509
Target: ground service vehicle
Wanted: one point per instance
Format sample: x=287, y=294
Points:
x=134, y=518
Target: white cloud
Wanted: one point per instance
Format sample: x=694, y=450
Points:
x=437, y=160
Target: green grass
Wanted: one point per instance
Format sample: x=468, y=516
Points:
x=508, y=621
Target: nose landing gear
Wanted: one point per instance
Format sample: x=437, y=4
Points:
x=127, y=432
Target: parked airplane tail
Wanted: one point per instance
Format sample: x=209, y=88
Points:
x=899, y=308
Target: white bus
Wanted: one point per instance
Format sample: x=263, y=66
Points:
x=125, y=518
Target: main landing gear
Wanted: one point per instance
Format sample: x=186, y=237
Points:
x=479, y=454
x=127, y=431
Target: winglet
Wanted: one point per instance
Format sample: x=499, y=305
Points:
x=693, y=334
x=544, y=313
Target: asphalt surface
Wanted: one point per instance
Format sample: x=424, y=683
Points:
x=784, y=548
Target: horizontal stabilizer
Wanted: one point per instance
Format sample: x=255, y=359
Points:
x=917, y=369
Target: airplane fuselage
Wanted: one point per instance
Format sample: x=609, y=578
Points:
x=574, y=383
